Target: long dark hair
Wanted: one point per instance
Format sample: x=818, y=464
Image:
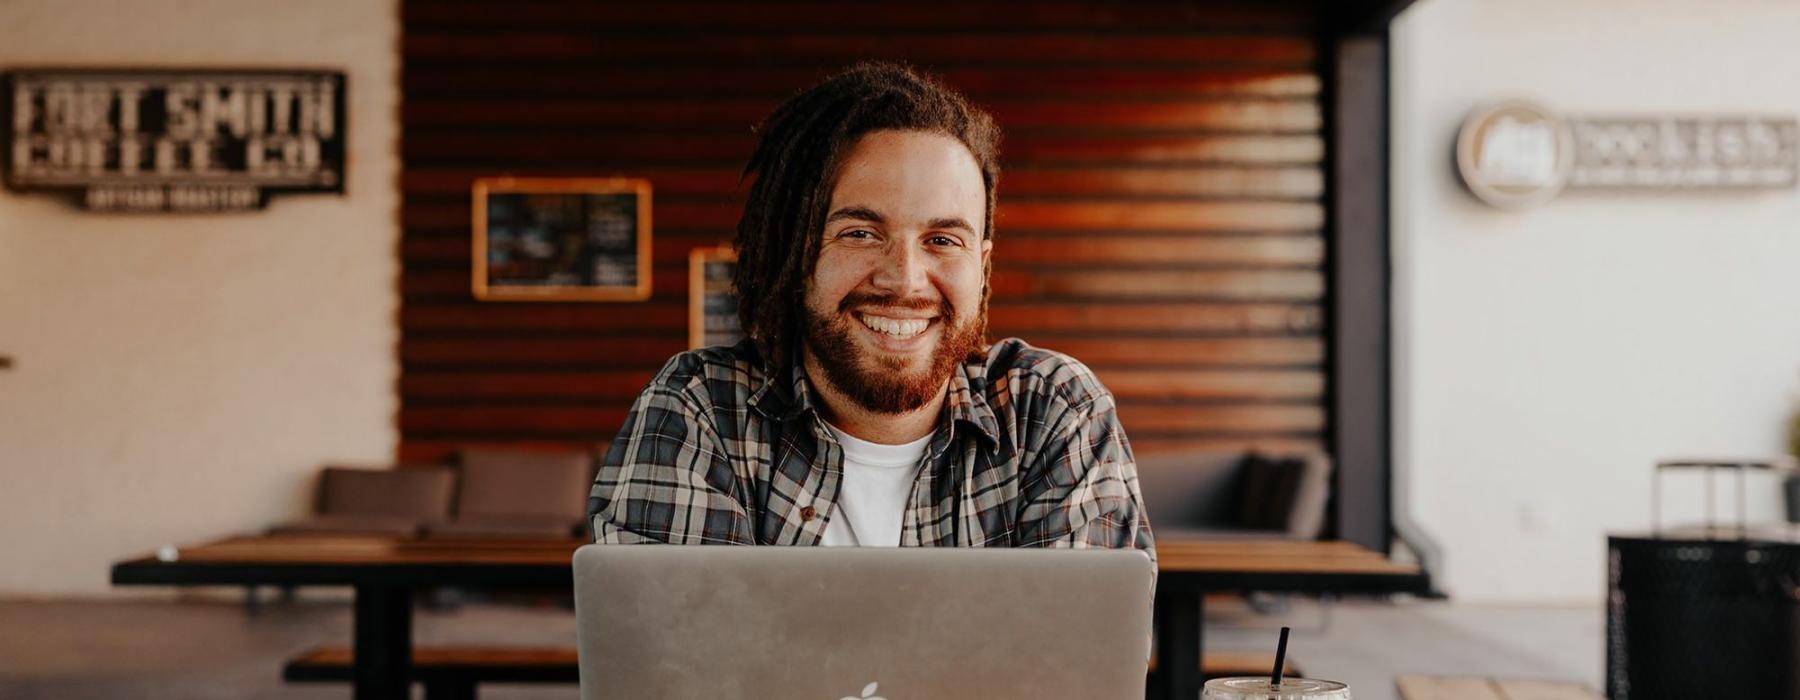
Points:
x=798, y=151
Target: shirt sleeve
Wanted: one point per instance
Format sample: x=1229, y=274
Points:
x=1082, y=488
x=667, y=478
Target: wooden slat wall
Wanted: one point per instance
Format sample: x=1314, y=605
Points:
x=1160, y=202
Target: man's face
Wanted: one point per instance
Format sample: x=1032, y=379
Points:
x=894, y=304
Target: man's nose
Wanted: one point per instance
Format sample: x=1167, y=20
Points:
x=902, y=269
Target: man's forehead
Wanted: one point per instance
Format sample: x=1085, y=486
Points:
x=910, y=178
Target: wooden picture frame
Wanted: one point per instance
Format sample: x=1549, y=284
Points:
x=561, y=239
x=712, y=307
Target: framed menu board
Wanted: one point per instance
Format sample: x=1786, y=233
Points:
x=712, y=307
x=561, y=239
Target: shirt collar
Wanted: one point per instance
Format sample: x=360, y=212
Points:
x=967, y=402
x=768, y=398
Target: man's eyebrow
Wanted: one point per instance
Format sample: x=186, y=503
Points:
x=952, y=222
x=867, y=214
x=864, y=213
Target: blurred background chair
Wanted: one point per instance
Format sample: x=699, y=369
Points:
x=396, y=501
x=514, y=493
x=1236, y=495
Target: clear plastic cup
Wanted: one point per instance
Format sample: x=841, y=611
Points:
x=1259, y=688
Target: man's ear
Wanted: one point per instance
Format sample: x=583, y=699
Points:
x=987, y=250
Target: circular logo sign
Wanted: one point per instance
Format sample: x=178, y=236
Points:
x=1514, y=154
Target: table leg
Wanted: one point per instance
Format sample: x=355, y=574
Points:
x=1178, y=641
x=383, y=643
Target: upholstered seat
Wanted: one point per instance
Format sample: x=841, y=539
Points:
x=1235, y=495
x=394, y=501
x=516, y=493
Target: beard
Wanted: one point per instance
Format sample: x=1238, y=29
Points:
x=880, y=383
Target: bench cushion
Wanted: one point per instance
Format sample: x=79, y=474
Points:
x=1190, y=490
x=417, y=492
x=521, y=484
x=1227, y=490
x=1267, y=489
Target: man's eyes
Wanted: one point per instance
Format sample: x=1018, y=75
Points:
x=864, y=234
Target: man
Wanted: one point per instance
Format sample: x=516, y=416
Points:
x=866, y=408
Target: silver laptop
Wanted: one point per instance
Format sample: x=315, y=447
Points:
x=848, y=623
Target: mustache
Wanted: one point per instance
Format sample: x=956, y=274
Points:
x=895, y=301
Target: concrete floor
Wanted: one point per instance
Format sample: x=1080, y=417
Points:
x=211, y=649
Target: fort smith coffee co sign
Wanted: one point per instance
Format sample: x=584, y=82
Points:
x=1515, y=154
x=173, y=140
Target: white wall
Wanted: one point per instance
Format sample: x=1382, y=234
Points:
x=1545, y=358
x=180, y=377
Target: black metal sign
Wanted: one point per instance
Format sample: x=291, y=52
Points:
x=174, y=140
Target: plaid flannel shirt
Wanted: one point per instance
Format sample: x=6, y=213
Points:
x=1029, y=454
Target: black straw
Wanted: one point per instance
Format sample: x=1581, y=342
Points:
x=1280, y=659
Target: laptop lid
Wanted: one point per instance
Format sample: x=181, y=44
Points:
x=861, y=622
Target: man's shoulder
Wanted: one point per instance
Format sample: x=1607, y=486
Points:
x=713, y=375
x=1016, y=369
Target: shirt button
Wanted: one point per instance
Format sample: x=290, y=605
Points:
x=807, y=513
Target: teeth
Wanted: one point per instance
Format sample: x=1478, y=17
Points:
x=897, y=327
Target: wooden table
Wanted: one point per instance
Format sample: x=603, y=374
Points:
x=385, y=571
x=1187, y=568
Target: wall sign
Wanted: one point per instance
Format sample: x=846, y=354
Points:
x=712, y=306
x=561, y=239
x=174, y=140
x=1515, y=154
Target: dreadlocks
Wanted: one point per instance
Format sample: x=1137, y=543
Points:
x=798, y=153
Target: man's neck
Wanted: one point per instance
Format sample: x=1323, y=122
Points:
x=863, y=424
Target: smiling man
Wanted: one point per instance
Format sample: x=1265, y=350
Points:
x=866, y=407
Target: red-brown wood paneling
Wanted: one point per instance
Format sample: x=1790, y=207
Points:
x=1161, y=195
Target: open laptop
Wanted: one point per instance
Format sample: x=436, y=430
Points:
x=832, y=623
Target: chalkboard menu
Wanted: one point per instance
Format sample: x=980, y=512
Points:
x=712, y=306
x=189, y=140
x=550, y=239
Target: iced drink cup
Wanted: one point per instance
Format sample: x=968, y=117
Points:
x=1259, y=688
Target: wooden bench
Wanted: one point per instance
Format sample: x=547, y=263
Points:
x=448, y=673
x=452, y=673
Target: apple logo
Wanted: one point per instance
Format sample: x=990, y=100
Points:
x=867, y=694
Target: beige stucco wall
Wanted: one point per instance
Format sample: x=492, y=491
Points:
x=180, y=377
x=1546, y=358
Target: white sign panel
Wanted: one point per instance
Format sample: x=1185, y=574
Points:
x=1516, y=154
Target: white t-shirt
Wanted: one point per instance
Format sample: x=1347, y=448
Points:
x=872, y=499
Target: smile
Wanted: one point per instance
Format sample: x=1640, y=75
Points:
x=895, y=327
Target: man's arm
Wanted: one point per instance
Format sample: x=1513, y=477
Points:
x=1081, y=489
x=667, y=477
